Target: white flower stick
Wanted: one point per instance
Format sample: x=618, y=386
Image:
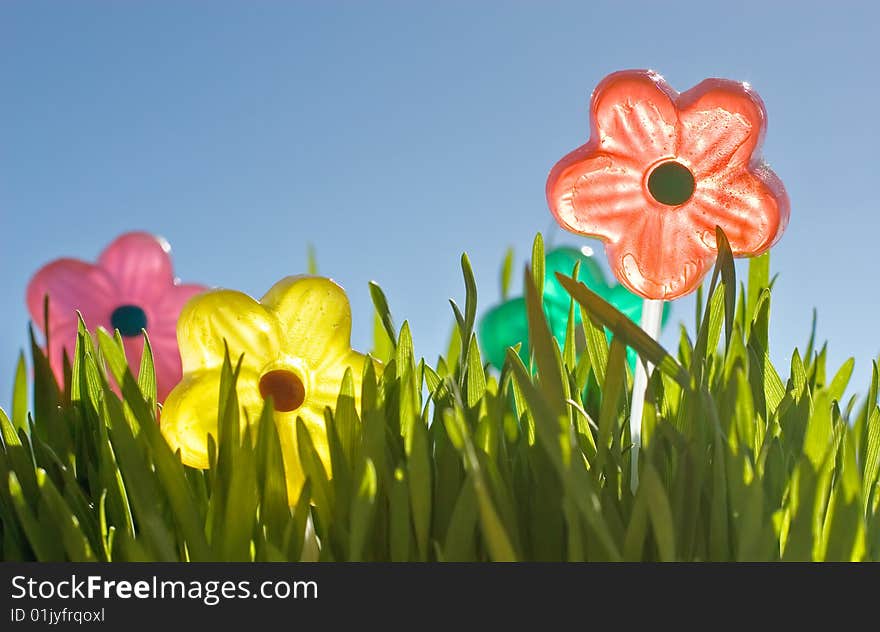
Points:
x=652, y=314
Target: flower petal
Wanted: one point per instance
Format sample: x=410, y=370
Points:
x=225, y=315
x=315, y=317
x=71, y=285
x=751, y=208
x=504, y=326
x=722, y=123
x=134, y=349
x=162, y=330
x=323, y=391
x=166, y=311
x=166, y=359
x=662, y=257
x=563, y=260
x=325, y=384
x=595, y=194
x=190, y=412
x=313, y=417
x=634, y=116
x=139, y=264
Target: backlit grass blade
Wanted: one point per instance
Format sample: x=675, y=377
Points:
x=498, y=541
x=322, y=491
x=506, y=273
x=147, y=374
x=460, y=543
x=872, y=460
x=597, y=346
x=609, y=415
x=362, y=509
x=543, y=343
x=142, y=487
x=470, y=305
x=476, y=376
x=76, y=544
x=728, y=278
x=271, y=480
x=622, y=326
x=19, y=395
x=420, y=486
x=577, y=481
x=759, y=280
x=311, y=259
x=400, y=529
x=841, y=379
x=659, y=511
x=537, y=265
x=381, y=305
x=296, y=526
x=46, y=544
x=843, y=535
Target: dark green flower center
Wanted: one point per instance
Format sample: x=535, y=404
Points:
x=671, y=183
x=286, y=389
x=129, y=320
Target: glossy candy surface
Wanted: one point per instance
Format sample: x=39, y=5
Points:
x=506, y=324
x=296, y=343
x=660, y=171
x=131, y=288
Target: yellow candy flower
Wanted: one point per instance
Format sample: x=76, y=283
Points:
x=296, y=343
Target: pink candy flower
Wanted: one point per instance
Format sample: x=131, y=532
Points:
x=131, y=288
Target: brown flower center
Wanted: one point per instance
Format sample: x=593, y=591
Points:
x=671, y=183
x=286, y=389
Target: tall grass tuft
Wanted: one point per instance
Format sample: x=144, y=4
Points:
x=450, y=461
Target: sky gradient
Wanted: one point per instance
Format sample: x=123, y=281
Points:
x=394, y=136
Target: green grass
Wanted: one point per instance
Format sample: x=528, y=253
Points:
x=449, y=461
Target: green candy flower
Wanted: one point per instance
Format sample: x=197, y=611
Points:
x=506, y=324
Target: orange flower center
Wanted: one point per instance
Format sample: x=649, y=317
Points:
x=671, y=183
x=286, y=389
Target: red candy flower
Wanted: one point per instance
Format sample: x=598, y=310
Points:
x=131, y=288
x=660, y=171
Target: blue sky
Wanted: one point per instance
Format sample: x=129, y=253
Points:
x=394, y=136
